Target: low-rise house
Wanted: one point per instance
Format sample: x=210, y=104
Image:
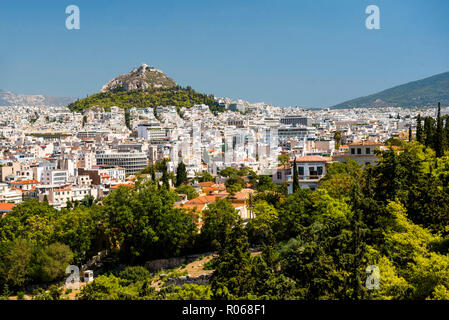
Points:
x=363, y=152
x=311, y=169
x=11, y=195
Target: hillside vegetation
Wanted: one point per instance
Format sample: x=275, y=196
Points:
x=150, y=98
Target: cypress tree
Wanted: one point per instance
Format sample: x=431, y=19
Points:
x=438, y=139
x=410, y=138
x=295, y=176
x=153, y=173
x=181, y=174
x=165, y=179
x=419, y=133
x=446, y=133
x=428, y=132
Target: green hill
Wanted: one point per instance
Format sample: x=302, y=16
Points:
x=425, y=92
x=149, y=98
x=144, y=87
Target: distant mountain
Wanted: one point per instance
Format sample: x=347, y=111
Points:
x=8, y=98
x=425, y=92
x=144, y=87
x=143, y=77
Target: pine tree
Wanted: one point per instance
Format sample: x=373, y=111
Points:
x=295, y=177
x=419, y=133
x=438, y=139
x=181, y=174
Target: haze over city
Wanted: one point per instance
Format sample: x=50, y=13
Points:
x=286, y=53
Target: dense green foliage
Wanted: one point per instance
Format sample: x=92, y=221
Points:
x=311, y=245
x=237, y=179
x=150, y=98
x=187, y=190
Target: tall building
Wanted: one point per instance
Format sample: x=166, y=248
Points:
x=132, y=162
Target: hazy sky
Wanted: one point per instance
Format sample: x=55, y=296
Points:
x=299, y=52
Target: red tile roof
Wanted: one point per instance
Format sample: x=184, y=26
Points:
x=366, y=143
x=7, y=206
x=206, y=184
x=122, y=184
x=202, y=200
x=25, y=182
x=313, y=159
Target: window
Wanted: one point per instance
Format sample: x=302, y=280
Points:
x=319, y=170
x=368, y=151
x=300, y=171
x=279, y=175
x=359, y=150
x=352, y=151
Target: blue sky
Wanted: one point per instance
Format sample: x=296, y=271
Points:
x=310, y=53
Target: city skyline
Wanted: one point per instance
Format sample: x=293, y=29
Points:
x=286, y=54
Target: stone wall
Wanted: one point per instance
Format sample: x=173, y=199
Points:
x=171, y=263
x=201, y=280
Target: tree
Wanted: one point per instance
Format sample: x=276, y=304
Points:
x=232, y=275
x=419, y=130
x=342, y=178
x=15, y=258
x=187, y=190
x=204, y=177
x=127, y=118
x=134, y=274
x=144, y=224
x=78, y=230
x=429, y=128
x=295, y=176
x=50, y=263
x=228, y=172
x=165, y=179
x=234, y=184
x=439, y=136
x=219, y=217
x=104, y=288
x=261, y=228
x=181, y=174
x=265, y=183
x=410, y=136
x=337, y=139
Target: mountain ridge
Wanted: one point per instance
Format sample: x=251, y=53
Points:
x=9, y=98
x=420, y=93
